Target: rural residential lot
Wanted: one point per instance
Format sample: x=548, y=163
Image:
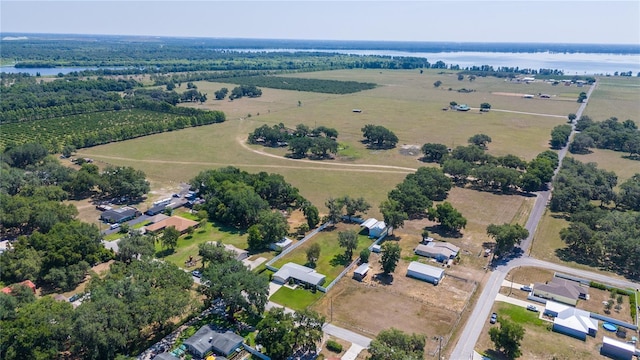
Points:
x=407, y=103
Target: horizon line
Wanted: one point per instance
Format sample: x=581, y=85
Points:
x=8, y=33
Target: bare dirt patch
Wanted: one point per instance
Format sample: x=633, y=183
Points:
x=410, y=150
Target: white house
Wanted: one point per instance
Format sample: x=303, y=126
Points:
x=425, y=272
x=298, y=273
x=439, y=250
x=571, y=321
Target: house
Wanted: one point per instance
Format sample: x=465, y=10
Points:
x=571, y=321
x=284, y=243
x=439, y=250
x=298, y=273
x=561, y=290
x=165, y=356
x=240, y=254
x=528, y=96
x=375, y=228
x=27, y=283
x=425, y=272
x=117, y=216
x=361, y=271
x=181, y=224
x=208, y=339
x=617, y=349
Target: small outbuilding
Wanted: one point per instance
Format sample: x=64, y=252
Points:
x=361, y=271
x=376, y=248
x=617, y=349
x=284, y=243
x=425, y=272
x=374, y=227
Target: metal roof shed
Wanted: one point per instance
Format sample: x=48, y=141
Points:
x=425, y=272
x=617, y=349
x=361, y=271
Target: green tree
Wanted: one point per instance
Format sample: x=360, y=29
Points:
x=571, y=117
x=214, y=252
x=170, y=237
x=313, y=253
x=379, y=136
x=312, y=215
x=630, y=193
x=434, y=152
x=353, y=206
x=364, y=255
x=335, y=210
x=275, y=333
x=480, y=140
x=390, y=257
x=135, y=245
x=449, y=218
x=349, y=241
x=394, y=216
x=394, y=344
x=124, y=182
x=560, y=136
x=506, y=236
x=507, y=338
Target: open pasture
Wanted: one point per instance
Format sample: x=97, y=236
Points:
x=617, y=97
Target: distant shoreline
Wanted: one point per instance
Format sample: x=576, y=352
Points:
x=405, y=46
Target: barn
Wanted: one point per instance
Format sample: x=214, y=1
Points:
x=425, y=272
x=616, y=349
x=375, y=227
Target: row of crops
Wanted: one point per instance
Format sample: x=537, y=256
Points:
x=86, y=130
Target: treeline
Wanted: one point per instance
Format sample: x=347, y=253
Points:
x=506, y=71
x=608, y=134
x=300, y=84
x=471, y=165
x=115, y=317
x=251, y=201
x=413, y=199
x=319, y=141
x=603, y=236
x=25, y=99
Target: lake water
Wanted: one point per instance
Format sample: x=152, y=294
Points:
x=570, y=63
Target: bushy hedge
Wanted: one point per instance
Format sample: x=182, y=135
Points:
x=334, y=346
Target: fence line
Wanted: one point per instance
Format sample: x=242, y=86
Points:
x=296, y=245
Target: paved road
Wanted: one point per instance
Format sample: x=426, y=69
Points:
x=465, y=347
x=347, y=335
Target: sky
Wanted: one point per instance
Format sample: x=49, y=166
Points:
x=522, y=21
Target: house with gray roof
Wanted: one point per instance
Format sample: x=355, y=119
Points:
x=120, y=215
x=298, y=273
x=561, y=290
x=208, y=339
x=439, y=250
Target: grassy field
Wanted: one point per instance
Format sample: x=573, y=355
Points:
x=611, y=161
x=296, y=299
x=332, y=260
x=615, y=96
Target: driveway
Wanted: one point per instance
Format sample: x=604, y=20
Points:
x=515, y=301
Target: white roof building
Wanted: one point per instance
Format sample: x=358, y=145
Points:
x=425, y=272
x=299, y=273
x=571, y=321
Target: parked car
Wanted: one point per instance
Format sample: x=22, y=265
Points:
x=526, y=288
x=196, y=273
x=532, y=308
x=494, y=318
x=74, y=297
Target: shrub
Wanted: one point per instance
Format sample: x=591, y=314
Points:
x=334, y=346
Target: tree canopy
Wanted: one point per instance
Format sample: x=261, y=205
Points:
x=394, y=344
x=507, y=236
x=507, y=337
x=379, y=137
x=390, y=257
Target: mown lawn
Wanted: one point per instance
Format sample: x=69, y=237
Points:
x=332, y=260
x=296, y=299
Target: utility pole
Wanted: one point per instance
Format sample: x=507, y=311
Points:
x=331, y=307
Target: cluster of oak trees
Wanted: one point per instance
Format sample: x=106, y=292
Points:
x=51, y=247
x=608, y=134
x=319, y=141
x=472, y=165
x=601, y=234
x=251, y=201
